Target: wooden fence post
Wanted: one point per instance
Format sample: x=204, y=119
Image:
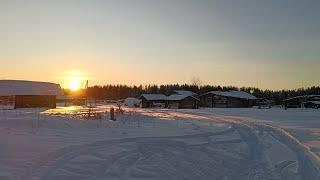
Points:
x=112, y=114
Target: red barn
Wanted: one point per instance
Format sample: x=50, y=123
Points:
x=28, y=94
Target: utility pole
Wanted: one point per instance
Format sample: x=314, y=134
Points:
x=86, y=91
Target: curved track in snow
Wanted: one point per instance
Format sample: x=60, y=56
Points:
x=157, y=158
x=307, y=161
x=200, y=156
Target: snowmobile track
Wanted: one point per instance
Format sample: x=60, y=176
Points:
x=171, y=156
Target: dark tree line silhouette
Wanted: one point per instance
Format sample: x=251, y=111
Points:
x=116, y=92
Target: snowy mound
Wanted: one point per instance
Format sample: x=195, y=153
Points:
x=131, y=102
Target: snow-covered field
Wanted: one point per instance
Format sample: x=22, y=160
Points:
x=304, y=124
x=222, y=144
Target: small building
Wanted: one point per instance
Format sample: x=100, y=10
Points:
x=227, y=99
x=173, y=101
x=153, y=100
x=28, y=94
x=182, y=102
x=308, y=101
x=312, y=104
x=265, y=103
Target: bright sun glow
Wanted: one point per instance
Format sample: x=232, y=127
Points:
x=74, y=84
x=74, y=80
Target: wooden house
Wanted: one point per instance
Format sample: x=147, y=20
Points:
x=153, y=100
x=28, y=94
x=312, y=104
x=174, y=101
x=182, y=102
x=265, y=103
x=227, y=99
x=308, y=101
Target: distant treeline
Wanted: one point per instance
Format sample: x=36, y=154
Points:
x=116, y=92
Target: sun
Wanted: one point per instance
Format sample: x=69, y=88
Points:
x=74, y=84
x=74, y=79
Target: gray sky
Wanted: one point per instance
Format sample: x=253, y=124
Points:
x=271, y=44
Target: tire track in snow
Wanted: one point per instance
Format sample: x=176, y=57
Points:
x=258, y=167
x=308, y=161
x=166, y=151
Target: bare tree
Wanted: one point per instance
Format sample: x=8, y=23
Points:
x=196, y=81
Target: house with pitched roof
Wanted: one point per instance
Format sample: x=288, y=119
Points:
x=227, y=99
x=28, y=94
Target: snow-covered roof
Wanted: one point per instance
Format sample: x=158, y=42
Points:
x=304, y=97
x=184, y=92
x=154, y=97
x=234, y=94
x=314, y=102
x=175, y=97
x=179, y=97
x=17, y=87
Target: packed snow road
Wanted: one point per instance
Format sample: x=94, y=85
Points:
x=307, y=162
x=176, y=157
x=200, y=156
x=149, y=144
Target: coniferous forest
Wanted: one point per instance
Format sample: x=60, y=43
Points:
x=116, y=92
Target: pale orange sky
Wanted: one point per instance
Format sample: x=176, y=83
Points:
x=270, y=45
x=111, y=72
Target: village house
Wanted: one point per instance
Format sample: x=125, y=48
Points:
x=227, y=99
x=153, y=100
x=307, y=101
x=173, y=101
x=265, y=103
x=312, y=104
x=183, y=102
x=28, y=94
